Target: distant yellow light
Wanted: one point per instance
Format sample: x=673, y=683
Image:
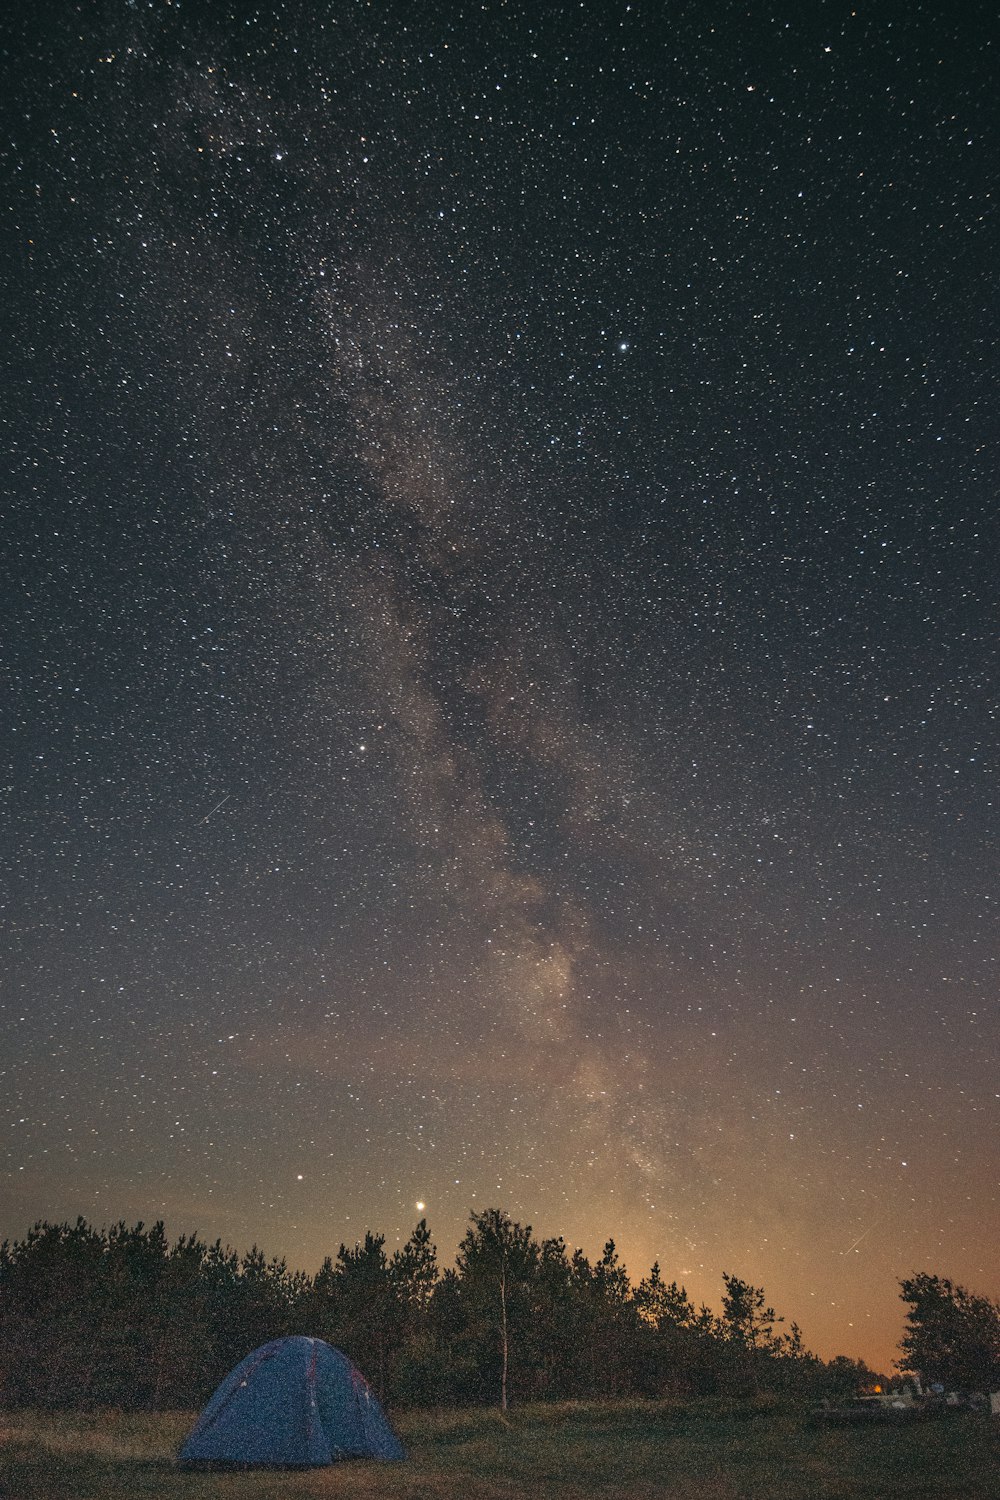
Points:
x=420, y=1206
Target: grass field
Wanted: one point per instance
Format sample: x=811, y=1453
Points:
x=701, y=1451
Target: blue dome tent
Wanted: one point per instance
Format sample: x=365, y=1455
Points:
x=295, y=1403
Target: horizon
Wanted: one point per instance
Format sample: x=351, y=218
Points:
x=868, y=1341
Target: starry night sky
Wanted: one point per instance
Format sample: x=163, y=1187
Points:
x=500, y=635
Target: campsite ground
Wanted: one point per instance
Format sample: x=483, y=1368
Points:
x=704, y=1451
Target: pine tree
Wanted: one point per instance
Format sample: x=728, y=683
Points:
x=952, y=1335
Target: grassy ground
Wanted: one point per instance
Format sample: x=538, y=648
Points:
x=704, y=1451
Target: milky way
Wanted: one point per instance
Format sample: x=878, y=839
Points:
x=500, y=633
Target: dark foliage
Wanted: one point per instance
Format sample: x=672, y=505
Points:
x=121, y=1317
x=952, y=1335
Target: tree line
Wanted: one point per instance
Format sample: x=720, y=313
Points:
x=123, y=1317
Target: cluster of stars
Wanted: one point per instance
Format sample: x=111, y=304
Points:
x=502, y=688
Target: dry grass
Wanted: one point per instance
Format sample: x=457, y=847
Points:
x=642, y=1451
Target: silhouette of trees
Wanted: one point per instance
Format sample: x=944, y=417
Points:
x=121, y=1317
x=681, y=1356
x=52, y=1310
x=365, y=1302
x=497, y=1266
x=952, y=1335
x=414, y=1271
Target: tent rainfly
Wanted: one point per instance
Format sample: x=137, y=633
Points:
x=293, y=1403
